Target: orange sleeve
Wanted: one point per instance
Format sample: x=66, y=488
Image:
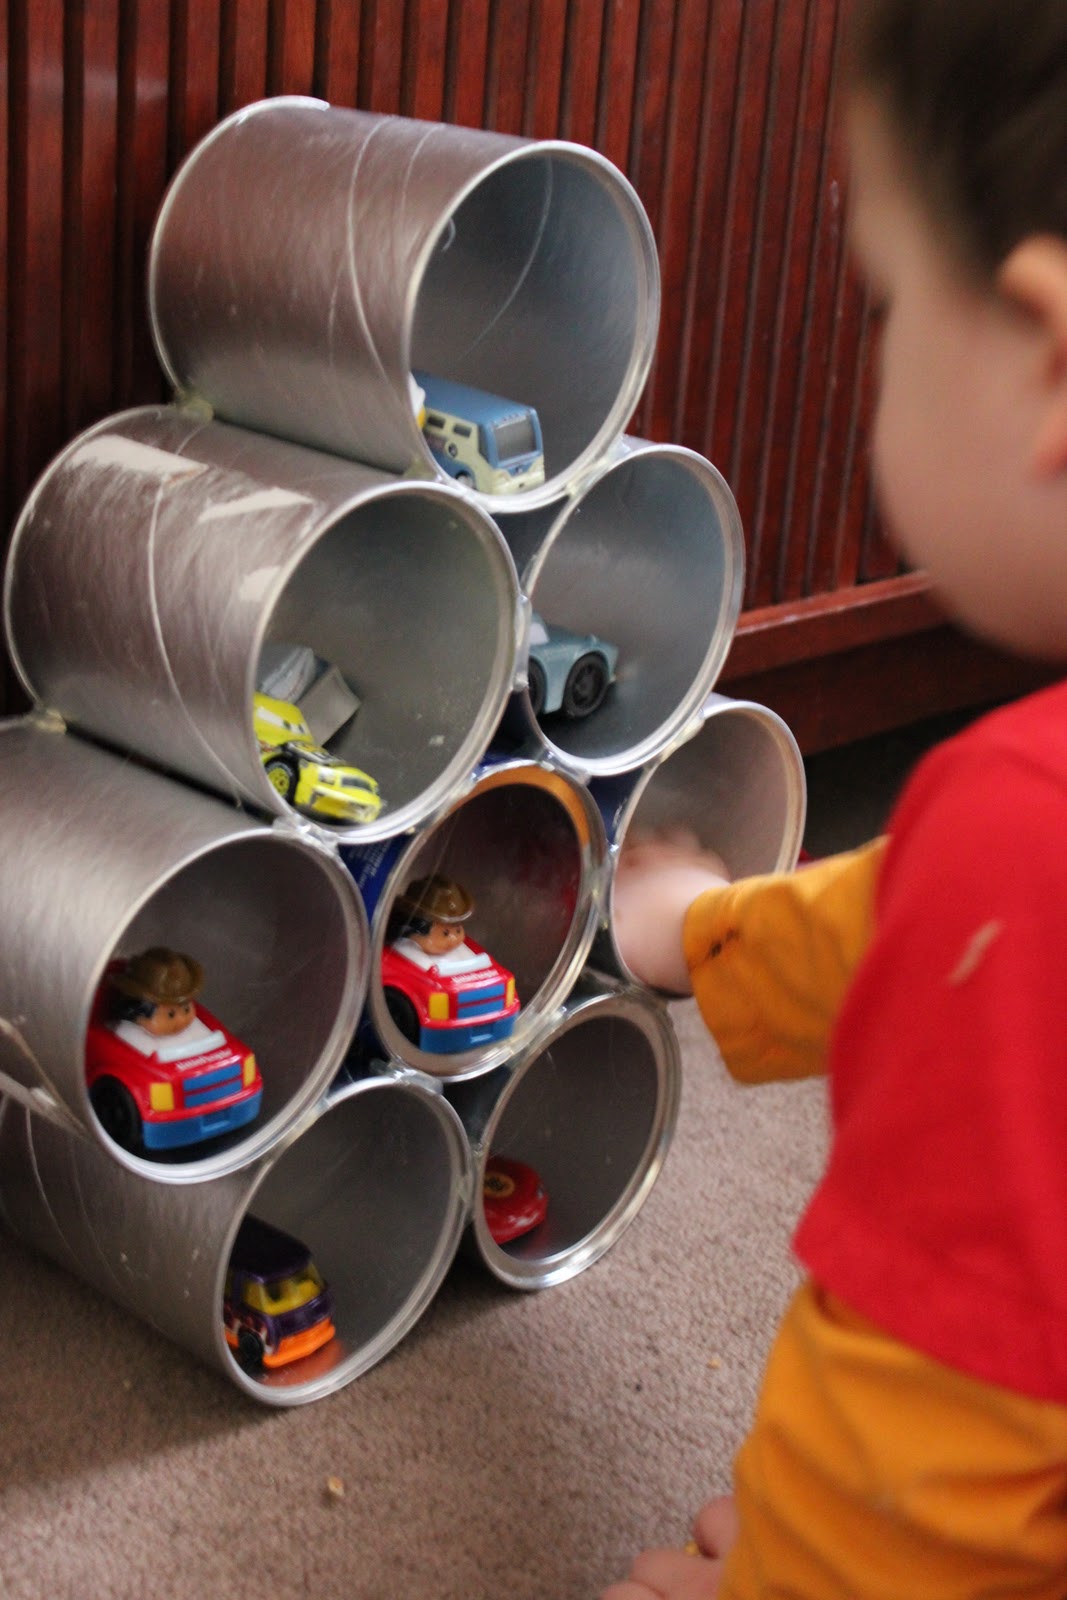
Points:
x=875, y=1473
x=771, y=958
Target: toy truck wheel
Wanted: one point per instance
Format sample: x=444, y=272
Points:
x=116, y=1111
x=586, y=686
x=537, y=686
x=403, y=1013
x=282, y=775
x=249, y=1349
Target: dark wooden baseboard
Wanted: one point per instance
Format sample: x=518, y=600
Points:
x=844, y=666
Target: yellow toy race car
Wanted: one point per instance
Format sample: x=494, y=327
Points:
x=304, y=774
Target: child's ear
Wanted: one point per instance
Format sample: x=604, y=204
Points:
x=1034, y=276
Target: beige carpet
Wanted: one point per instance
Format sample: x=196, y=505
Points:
x=518, y=1446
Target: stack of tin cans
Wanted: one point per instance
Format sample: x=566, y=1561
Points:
x=527, y=673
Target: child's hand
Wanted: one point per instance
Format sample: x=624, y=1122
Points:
x=690, y=1574
x=657, y=878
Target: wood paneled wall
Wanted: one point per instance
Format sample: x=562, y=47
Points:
x=720, y=112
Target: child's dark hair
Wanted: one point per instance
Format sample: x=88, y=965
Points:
x=975, y=92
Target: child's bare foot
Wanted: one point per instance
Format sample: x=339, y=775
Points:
x=690, y=1574
x=668, y=1575
x=715, y=1528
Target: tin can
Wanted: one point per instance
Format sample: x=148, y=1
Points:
x=635, y=587
x=195, y=565
x=373, y=1189
x=590, y=1108
x=307, y=259
x=526, y=847
x=104, y=858
x=734, y=780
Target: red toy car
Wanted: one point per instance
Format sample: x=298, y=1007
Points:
x=444, y=1011
x=158, y=1093
x=514, y=1199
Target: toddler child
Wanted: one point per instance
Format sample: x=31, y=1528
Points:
x=910, y=1441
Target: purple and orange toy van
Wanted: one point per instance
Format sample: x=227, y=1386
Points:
x=276, y=1307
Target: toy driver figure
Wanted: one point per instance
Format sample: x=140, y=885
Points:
x=429, y=918
x=155, y=992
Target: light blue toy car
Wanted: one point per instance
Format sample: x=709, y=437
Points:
x=568, y=672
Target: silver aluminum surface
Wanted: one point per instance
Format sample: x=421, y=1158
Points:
x=592, y=1108
x=528, y=844
x=735, y=781
x=376, y=1182
x=160, y=552
x=307, y=257
x=647, y=554
x=103, y=857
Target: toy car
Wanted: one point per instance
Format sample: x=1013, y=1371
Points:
x=304, y=774
x=480, y=439
x=276, y=1307
x=514, y=1199
x=446, y=1011
x=568, y=672
x=443, y=991
x=160, y=1093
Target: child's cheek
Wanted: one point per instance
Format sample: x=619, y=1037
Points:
x=903, y=434
x=885, y=459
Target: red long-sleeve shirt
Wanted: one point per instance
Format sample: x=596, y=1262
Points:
x=912, y=1437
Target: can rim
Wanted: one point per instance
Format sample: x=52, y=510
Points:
x=650, y=1017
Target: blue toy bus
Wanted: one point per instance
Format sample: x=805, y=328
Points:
x=492, y=444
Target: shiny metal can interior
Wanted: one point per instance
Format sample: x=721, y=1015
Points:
x=375, y=1183
x=735, y=781
x=592, y=1108
x=177, y=550
x=103, y=858
x=648, y=555
x=307, y=257
x=528, y=844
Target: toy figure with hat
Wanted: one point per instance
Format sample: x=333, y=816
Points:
x=161, y=1071
x=444, y=992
